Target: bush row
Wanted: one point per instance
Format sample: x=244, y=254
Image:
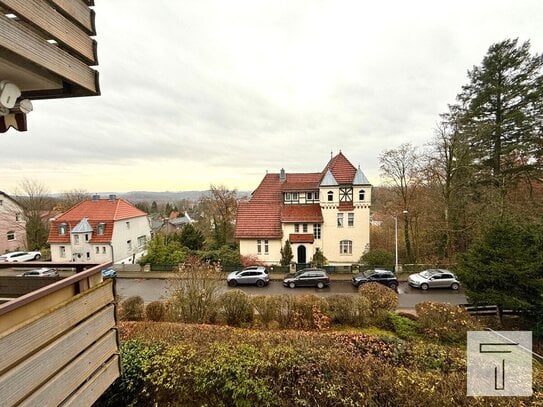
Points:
x=170, y=364
x=374, y=306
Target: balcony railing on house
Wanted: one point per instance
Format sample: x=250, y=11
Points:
x=59, y=343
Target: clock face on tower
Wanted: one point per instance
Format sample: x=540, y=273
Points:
x=345, y=194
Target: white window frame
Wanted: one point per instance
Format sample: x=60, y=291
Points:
x=304, y=227
x=362, y=195
x=317, y=231
x=266, y=247
x=62, y=251
x=259, y=246
x=350, y=219
x=10, y=235
x=296, y=228
x=340, y=220
x=346, y=247
x=76, y=239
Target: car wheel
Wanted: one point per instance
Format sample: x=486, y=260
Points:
x=232, y=283
x=455, y=286
x=320, y=284
x=393, y=285
x=260, y=283
x=292, y=285
x=424, y=286
x=37, y=257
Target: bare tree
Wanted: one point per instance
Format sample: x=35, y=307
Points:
x=217, y=214
x=401, y=168
x=71, y=198
x=38, y=207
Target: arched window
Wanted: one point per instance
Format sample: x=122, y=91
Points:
x=361, y=195
x=346, y=247
x=330, y=196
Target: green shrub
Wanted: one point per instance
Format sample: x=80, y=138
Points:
x=378, y=258
x=445, y=322
x=404, y=327
x=236, y=308
x=268, y=308
x=155, y=311
x=132, y=309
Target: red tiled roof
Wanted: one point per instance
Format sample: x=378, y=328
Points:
x=301, y=238
x=258, y=220
x=96, y=211
x=341, y=168
x=301, y=182
x=261, y=216
x=301, y=213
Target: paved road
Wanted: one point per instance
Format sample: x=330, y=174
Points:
x=151, y=290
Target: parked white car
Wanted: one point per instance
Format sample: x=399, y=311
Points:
x=14, y=257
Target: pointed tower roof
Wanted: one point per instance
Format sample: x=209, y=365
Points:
x=360, y=178
x=341, y=168
x=83, y=226
x=329, y=180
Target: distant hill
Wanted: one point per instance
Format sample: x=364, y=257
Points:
x=167, y=196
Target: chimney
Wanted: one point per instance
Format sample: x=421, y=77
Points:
x=282, y=175
x=112, y=197
x=95, y=197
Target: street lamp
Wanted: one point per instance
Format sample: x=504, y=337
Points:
x=396, y=240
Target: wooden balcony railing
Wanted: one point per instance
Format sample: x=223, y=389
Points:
x=59, y=344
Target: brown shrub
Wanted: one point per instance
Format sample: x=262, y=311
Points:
x=381, y=301
x=155, y=311
x=132, y=309
x=235, y=308
x=268, y=308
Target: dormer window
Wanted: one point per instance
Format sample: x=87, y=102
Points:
x=62, y=229
x=361, y=195
x=101, y=229
x=345, y=194
x=330, y=196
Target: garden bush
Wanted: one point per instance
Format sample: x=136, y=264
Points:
x=445, y=322
x=235, y=308
x=268, y=308
x=132, y=309
x=404, y=327
x=155, y=311
x=381, y=299
x=309, y=312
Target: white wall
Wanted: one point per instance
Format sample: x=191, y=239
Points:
x=121, y=234
x=8, y=211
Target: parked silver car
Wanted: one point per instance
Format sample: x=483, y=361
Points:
x=257, y=275
x=41, y=272
x=434, y=278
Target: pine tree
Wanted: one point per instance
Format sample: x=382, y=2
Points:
x=504, y=106
x=286, y=254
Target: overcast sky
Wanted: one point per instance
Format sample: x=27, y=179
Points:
x=201, y=92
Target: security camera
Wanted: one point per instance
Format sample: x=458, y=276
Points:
x=9, y=92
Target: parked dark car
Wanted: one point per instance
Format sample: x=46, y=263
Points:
x=384, y=277
x=257, y=275
x=311, y=277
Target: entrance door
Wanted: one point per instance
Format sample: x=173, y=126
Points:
x=301, y=254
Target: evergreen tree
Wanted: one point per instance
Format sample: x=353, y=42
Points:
x=286, y=254
x=504, y=106
x=505, y=267
x=191, y=237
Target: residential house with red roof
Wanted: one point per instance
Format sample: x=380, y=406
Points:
x=98, y=231
x=12, y=225
x=326, y=211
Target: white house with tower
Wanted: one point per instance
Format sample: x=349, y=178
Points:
x=326, y=211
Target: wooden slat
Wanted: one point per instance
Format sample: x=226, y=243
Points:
x=20, y=381
x=29, y=311
x=75, y=374
x=78, y=11
x=94, y=388
x=25, y=339
x=29, y=45
x=58, y=27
